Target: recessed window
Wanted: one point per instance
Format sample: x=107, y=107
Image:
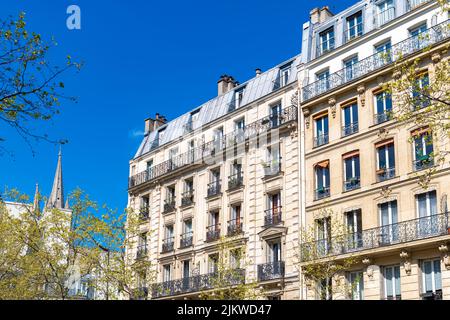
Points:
x=354, y=226
x=350, y=119
x=385, y=160
x=354, y=26
x=385, y=12
x=322, y=177
x=383, y=107
x=419, y=92
x=320, y=130
x=356, y=281
x=351, y=171
x=423, y=149
x=391, y=281
x=326, y=41
x=389, y=219
x=431, y=280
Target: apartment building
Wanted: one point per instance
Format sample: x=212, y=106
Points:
x=228, y=168
x=360, y=164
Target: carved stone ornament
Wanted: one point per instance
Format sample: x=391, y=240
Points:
x=306, y=115
x=332, y=104
x=385, y=192
x=443, y=249
x=362, y=94
x=406, y=257
x=397, y=74
x=382, y=133
x=294, y=98
x=436, y=57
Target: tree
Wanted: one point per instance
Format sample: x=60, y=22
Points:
x=31, y=91
x=319, y=263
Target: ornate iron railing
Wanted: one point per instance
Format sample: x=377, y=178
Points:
x=214, y=188
x=412, y=4
x=320, y=140
x=353, y=32
x=203, y=153
x=432, y=295
x=424, y=162
x=187, y=198
x=379, y=60
x=271, y=271
x=144, y=213
x=167, y=244
x=186, y=240
x=234, y=227
x=169, y=205
x=352, y=184
x=402, y=232
x=321, y=193
x=141, y=252
x=213, y=232
x=325, y=46
x=384, y=16
x=272, y=216
x=350, y=129
x=385, y=174
x=382, y=117
x=272, y=167
x=235, y=180
x=197, y=283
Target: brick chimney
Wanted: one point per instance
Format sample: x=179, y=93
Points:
x=151, y=124
x=225, y=84
x=319, y=15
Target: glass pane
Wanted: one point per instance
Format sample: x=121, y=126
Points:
x=384, y=208
x=422, y=205
x=388, y=277
x=427, y=276
x=391, y=155
x=394, y=217
x=437, y=274
x=381, y=157
x=433, y=202
x=355, y=113
x=356, y=161
x=397, y=280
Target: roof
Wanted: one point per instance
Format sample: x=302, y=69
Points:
x=255, y=88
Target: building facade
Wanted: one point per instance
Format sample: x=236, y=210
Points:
x=362, y=168
x=226, y=169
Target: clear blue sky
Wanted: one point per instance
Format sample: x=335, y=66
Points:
x=142, y=57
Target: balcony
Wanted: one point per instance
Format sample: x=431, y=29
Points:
x=235, y=181
x=271, y=271
x=321, y=140
x=169, y=205
x=213, y=232
x=412, y=4
x=322, y=192
x=234, y=227
x=187, y=198
x=402, y=232
x=411, y=45
x=353, y=32
x=382, y=117
x=167, y=245
x=432, y=295
x=272, y=167
x=352, y=184
x=144, y=213
x=141, y=252
x=384, y=17
x=197, y=283
x=186, y=240
x=325, y=47
x=214, y=188
x=423, y=162
x=350, y=129
x=201, y=155
x=384, y=174
x=272, y=216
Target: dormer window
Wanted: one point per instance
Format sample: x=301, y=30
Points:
x=354, y=26
x=385, y=12
x=285, y=74
x=326, y=41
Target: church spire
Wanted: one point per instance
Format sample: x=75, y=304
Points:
x=56, y=198
x=36, y=200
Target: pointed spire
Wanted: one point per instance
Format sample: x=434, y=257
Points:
x=66, y=206
x=56, y=198
x=36, y=200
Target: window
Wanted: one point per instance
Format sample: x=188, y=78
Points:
x=383, y=107
x=323, y=235
x=427, y=211
x=275, y=115
x=285, y=73
x=427, y=204
x=188, y=194
x=239, y=127
x=173, y=160
x=326, y=41
x=419, y=92
x=170, y=195
x=321, y=130
x=142, y=241
x=356, y=282
x=272, y=166
x=167, y=272
x=351, y=171
x=191, y=150
x=218, y=138
x=161, y=133
x=383, y=54
x=235, y=179
x=385, y=160
x=149, y=165
x=423, y=149
x=235, y=222
x=354, y=26
x=237, y=99
x=350, y=70
x=391, y=281
x=354, y=229
x=169, y=232
x=389, y=220
x=431, y=279
x=322, y=173
x=273, y=213
x=193, y=117
x=186, y=237
x=214, y=187
x=274, y=252
x=325, y=289
x=385, y=12
x=350, y=119
x=186, y=265
x=323, y=83
x=213, y=260
x=235, y=259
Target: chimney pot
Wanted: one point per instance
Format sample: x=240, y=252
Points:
x=258, y=72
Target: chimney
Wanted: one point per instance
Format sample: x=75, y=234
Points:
x=314, y=15
x=153, y=124
x=258, y=72
x=325, y=14
x=225, y=84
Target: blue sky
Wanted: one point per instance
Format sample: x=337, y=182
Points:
x=141, y=57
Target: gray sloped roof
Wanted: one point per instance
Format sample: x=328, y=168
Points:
x=217, y=107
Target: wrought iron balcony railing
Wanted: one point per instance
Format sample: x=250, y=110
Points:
x=144, y=213
x=141, y=252
x=213, y=232
x=412, y=4
x=321, y=140
x=203, y=153
x=187, y=198
x=186, y=240
x=272, y=167
x=235, y=180
x=430, y=295
x=322, y=192
x=325, y=46
x=353, y=32
x=272, y=216
x=271, y=271
x=350, y=129
x=167, y=244
x=423, y=162
x=198, y=283
x=401, y=232
x=352, y=184
x=382, y=117
x=169, y=205
x=411, y=45
x=234, y=227
x=385, y=174
x=384, y=16
x=214, y=188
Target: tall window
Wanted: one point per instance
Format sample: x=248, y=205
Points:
x=354, y=26
x=213, y=261
x=383, y=54
x=274, y=251
x=423, y=149
x=326, y=41
x=351, y=171
x=167, y=272
x=431, y=279
x=389, y=220
x=385, y=12
x=354, y=227
x=419, y=92
x=149, y=165
x=169, y=233
x=272, y=166
x=321, y=130
x=214, y=186
x=285, y=73
x=173, y=160
x=275, y=115
x=186, y=269
x=235, y=222
x=238, y=97
x=385, y=160
x=323, y=83
x=391, y=281
x=418, y=41
x=239, y=127
x=273, y=213
x=383, y=107
x=322, y=173
x=427, y=204
x=325, y=289
x=350, y=70
x=350, y=119
x=323, y=235
x=356, y=281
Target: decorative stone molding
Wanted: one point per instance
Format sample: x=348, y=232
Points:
x=306, y=115
x=332, y=104
x=382, y=133
x=385, y=192
x=406, y=257
x=362, y=94
x=443, y=249
x=396, y=74
x=294, y=98
x=436, y=57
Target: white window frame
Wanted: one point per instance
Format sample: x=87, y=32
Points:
x=386, y=154
x=433, y=275
x=428, y=203
x=394, y=285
